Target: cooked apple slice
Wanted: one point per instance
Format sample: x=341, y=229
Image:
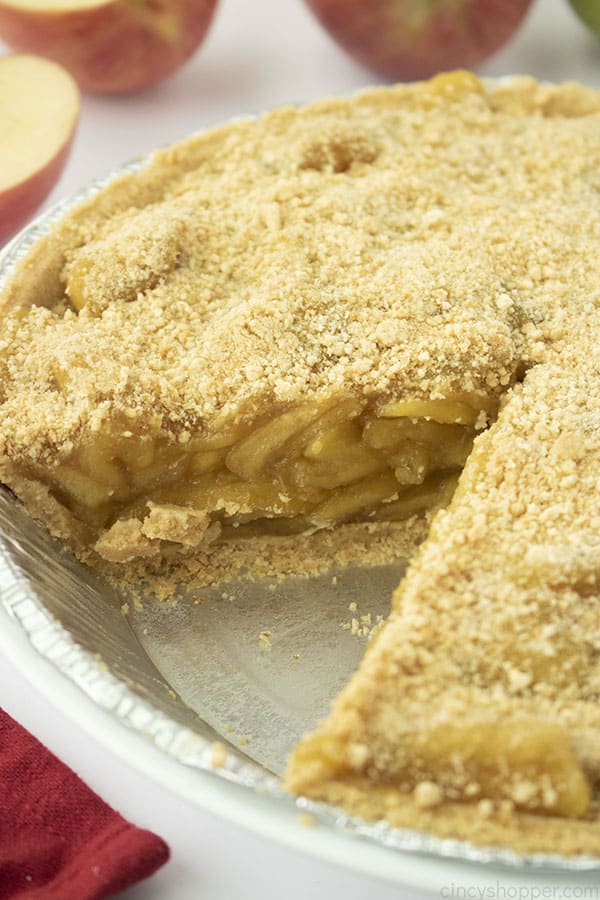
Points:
x=109, y=46
x=39, y=108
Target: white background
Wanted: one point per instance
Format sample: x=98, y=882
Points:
x=258, y=54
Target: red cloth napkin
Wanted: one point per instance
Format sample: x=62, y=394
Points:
x=59, y=840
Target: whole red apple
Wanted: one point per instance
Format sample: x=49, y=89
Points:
x=410, y=39
x=109, y=46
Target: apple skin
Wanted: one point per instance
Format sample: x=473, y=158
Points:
x=18, y=203
x=41, y=102
x=413, y=39
x=114, y=47
x=589, y=12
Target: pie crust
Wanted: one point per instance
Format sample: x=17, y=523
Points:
x=311, y=322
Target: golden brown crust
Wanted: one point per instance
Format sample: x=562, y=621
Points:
x=482, y=823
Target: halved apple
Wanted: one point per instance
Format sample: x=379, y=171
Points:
x=39, y=108
x=109, y=46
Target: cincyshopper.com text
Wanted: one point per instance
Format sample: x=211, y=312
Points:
x=519, y=892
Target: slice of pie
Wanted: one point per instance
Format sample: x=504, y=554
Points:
x=312, y=323
x=475, y=712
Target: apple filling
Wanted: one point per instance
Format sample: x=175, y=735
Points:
x=307, y=467
x=525, y=761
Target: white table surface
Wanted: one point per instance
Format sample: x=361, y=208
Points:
x=257, y=55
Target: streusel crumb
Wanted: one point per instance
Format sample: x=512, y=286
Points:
x=416, y=244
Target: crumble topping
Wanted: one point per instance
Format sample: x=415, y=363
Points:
x=410, y=243
x=371, y=242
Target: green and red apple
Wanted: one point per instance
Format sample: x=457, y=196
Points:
x=589, y=12
x=109, y=46
x=411, y=39
x=39, y=109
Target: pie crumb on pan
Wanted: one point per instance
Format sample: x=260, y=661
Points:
x=337, y=332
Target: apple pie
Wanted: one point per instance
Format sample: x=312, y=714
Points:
x=373, y=315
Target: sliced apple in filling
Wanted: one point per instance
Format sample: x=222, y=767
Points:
x=314, y=465
x=530, y=763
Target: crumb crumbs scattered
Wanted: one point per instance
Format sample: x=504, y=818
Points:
x=363, y=626
x=218, y=756
x=306, y=820
x=265, y=640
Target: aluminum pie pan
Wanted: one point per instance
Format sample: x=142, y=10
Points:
x=73, y=619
